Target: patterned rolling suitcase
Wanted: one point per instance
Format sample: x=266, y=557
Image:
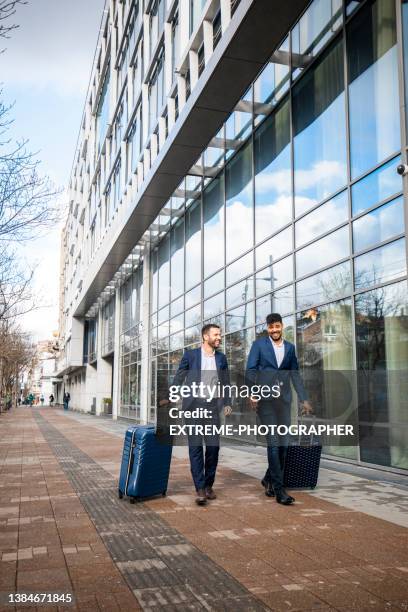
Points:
x=302, y=464
x=145, y=463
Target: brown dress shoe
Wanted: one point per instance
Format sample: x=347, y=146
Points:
x=201, y=498
x=209, y=493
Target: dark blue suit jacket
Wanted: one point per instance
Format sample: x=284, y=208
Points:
x=262, y=368
x=189, y=371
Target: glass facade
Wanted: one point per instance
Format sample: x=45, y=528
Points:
x=303, y=213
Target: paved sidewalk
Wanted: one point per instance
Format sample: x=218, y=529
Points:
x=62, y=529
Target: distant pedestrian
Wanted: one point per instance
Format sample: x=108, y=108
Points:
x=66, y=400
x=51, y=399
x=42, y=400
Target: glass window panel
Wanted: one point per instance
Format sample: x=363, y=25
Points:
x=405, y=43
x=163, y=314
x=176, y=341
x=382, y=355
x=377, y=186
x=324, y=287
x=213, y=212
x=177, y=258
x=271, y=277
x=324, y=252
x=241, y=292
x=192, y=335
x=321, y=220
x=280, y=301
x=314, y=29
x=214, y=306
x=214, y=283
x=379, y=225
x=240, y=268
x=193, y=245
x=272, y=83
x=325, y=353
x=239, y=318
x=320, y=131
x=239, y=209
x=381, y=265
x=373, y=71
x=177, y=306
x=273, y=182
x=176, y=323
x=274, y=248
x=193, y=316
x=239, y=124
x=193, y=296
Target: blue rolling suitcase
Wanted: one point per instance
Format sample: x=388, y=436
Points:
x=302, y=465
x=145, y=463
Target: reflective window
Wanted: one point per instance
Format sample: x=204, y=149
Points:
x=274, y=248
x=193, y=245
x=375, y=187
x=280, y=301
x=373, y=89
x=239, y=210
x=405, y=42
x=239, y=124
x=177, y=258
x=240, y=268
x=213, y=211
x=176, y=341
x=271, y=277
x=314, y=29
x=214, y=283
x=177, y=306
x=324, y=252
x=273, y=183
x=320, y=131
x=177, y=324
x=192, y=335
x=241, y=292
x=193, y=296
x=272, y=83
x=239, y=318
x=382, y=354
x=379, y=225
x=381, y=265
x=214, y=306
x=324, y=287
x=327, y=216
x=193, y=316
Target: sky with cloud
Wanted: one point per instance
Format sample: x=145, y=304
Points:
x=44, y=73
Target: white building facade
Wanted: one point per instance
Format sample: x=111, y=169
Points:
x=226, y=168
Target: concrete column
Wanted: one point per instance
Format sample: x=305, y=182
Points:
x=208, y=40
x=104, y=369
x=193, y=62
x=168, y=74
x=225, y=6
x=145, y=374
x=184, y=25
x=116, y=359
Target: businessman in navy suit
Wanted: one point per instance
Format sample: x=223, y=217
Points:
x=209, y=365
x=272, y=361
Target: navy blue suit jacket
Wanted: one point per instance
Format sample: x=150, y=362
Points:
x=189, y=371
x=262, y=368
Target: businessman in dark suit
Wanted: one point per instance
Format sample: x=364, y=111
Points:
x=209, y=365
x=272, y=361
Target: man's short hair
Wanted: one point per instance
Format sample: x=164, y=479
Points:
x=274, y=317
x=206, y=328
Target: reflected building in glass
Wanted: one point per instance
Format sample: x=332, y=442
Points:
x=214, y=189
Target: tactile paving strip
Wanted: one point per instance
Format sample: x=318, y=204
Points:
x=164, y=570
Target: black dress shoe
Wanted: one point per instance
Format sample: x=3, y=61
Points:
x=283, y=498
x=269, y=492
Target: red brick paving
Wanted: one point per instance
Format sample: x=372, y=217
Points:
x=315, y=555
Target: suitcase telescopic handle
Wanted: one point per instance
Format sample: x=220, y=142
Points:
x=301, y=422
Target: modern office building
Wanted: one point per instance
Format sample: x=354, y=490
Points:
x=237, y=158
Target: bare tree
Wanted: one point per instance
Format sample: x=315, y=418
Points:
x=17, y=355
x=8, y=10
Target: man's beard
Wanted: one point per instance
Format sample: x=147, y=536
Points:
x=273, y=336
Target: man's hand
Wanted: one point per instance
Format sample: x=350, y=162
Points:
x=164, y=402
x=227, y=410
x=253, y=403
x=307, y=408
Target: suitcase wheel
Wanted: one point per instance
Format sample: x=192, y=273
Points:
x=164, y=493
x=132, y=500
x=120, y=494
